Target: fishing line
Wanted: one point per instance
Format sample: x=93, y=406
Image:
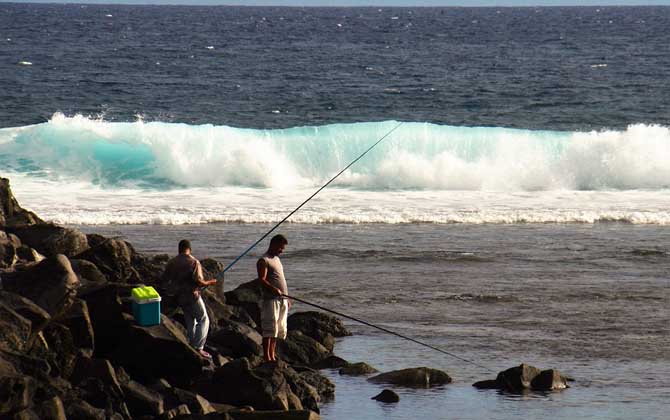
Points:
x=310, y=197
x=388, y=331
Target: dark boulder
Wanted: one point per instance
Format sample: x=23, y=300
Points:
x=51, y=240
x=181, y=411
x=196, y=403
x=237, y=340
x=51, y=409
x=25, y=364
x=16, y=394
x=239, y=383
x=247, y=296
x=355, y=369
x=96, y=393
x=8, y=256
x=87, y=272
x=51, y=284
x=165, y=353
x=387, y=396
x=413, y=377
x=106, y=313
x=113, y=258
x=524, y=378
x=318, y=325
x=549, y=380
x=16, y=330
x=519, y=377
x=275, y=415
x=142, y=401
x=61, y=351
x=78, y=320
x=28, y=255
x=324, y=387
x=331, y=362
x=11, y=213
x=102, y=369
x=81, y=410
x=27, y=309
x=300, y=349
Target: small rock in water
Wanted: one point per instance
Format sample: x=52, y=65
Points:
x=387, y=396
x=525, y=377
x=357, y=369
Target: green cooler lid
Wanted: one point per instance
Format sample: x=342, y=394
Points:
x=145, y=293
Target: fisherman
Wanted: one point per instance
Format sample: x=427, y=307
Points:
x=183, y=275
x=275, y=304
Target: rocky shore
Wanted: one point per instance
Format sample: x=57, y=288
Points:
x=71, y=348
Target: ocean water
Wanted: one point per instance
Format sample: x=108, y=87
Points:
x=517, y=213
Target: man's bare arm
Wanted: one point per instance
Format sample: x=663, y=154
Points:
x=200, y=278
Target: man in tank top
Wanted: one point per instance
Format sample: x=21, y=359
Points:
x=274, y=306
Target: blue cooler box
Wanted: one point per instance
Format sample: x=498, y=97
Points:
x=146, y=306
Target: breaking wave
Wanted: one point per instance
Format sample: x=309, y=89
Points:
x=420, y=156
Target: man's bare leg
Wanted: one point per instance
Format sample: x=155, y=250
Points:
x=273, y=349
x=267, y=349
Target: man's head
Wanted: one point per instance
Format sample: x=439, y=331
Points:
x=184, y=246
x=277, y=245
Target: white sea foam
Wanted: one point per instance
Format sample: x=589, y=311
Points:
x=84, y=170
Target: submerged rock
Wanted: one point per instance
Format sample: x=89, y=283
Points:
x=525, y=377
x=421, y=376
x=360, y=368
x=387, y=396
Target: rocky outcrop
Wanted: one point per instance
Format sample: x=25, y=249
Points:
x=319, y=326
x=525, y=378
x=113, y=258
x=237, y=340
x=300, y=349
x=248, y=297
x=11, y=214
x=70, y=347
x=246, y=382
x=51, y=284
x=51, y=240
x=413, y=377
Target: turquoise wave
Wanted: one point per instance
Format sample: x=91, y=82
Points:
x=160, y=155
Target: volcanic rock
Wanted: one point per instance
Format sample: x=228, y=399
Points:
x=51, y=240
x=525, y=377
x=51, y=284
x=318, y=325
x=387, y=396
x=11, y=214
x=413, y=377
x=301, y=349
x=360, y=368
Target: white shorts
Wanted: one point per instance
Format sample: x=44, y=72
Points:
x=273, y=318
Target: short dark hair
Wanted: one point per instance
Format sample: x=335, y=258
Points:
x=184, y=244
x=278, y=240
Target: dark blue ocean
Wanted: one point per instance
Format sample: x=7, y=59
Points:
x=519, y=211
x=576, y=68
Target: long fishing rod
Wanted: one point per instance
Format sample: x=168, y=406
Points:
x=310, y=197
x=387, y=331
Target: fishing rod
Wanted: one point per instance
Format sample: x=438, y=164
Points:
x=330, y=310
x=387, y=331
x=308, y=199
